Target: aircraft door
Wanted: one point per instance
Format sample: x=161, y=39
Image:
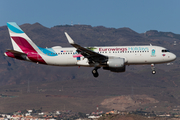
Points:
x=153, y=52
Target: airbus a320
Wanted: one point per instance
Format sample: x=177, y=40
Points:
x=113, y=58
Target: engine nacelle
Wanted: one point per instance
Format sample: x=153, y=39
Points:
x=115, y=64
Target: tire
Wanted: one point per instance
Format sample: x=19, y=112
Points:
x=95, y=73
x=153, y=72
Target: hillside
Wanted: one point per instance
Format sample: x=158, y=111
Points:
x=78, y=83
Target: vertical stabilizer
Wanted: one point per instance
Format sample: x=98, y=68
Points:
x=20, y=41
x=23, y=46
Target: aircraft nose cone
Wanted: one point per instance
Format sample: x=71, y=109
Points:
x=173, y=56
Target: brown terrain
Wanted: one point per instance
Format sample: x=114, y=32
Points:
x=125, y=103
x=133, y=117
x=73, y=88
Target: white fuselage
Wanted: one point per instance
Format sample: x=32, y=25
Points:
x=133, y=55
x=113, y=58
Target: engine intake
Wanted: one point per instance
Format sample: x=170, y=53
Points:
x=115, y=64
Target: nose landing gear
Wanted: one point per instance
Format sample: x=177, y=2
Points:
x=153, y=72
x=95, y=72
x=153, y=69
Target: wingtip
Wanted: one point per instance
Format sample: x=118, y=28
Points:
x=70, y=40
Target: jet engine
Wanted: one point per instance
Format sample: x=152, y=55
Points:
x=115, y=64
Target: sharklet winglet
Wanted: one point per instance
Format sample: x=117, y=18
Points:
x=71, y=41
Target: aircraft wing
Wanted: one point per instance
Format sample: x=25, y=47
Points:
x=92, y=56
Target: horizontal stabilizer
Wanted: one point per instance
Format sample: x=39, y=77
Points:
x=16, y=52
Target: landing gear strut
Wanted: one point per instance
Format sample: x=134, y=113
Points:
x=95, y=72
x=153, y=69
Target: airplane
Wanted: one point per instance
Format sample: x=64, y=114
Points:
x=112, y=58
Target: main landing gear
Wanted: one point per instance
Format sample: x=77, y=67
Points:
x=95, y=72
x=153, y=69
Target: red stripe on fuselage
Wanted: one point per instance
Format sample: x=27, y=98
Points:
x=32, y=54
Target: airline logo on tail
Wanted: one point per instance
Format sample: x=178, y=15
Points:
x=22, y=44
x=14, y=27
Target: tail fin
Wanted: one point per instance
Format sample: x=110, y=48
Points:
x=20, y=41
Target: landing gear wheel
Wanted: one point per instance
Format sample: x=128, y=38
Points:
x=153, y=72
x=95, y=73
x=153, y=69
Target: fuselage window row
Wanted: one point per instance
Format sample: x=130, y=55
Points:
x=103, y=52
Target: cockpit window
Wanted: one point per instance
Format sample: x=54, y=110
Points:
x=165, y=51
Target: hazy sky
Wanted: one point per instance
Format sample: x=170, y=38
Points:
x=139, y=15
